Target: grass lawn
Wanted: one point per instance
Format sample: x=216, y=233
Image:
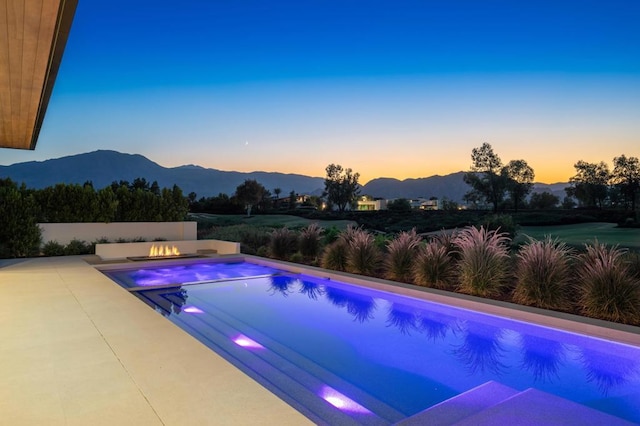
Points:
x=276, y=221
x=579, y=234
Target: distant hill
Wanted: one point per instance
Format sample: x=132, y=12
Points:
x=103, y=167
x=451, y=186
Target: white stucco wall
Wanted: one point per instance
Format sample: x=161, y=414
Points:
x=63, y=233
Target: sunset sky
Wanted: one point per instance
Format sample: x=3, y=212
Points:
x=400, y=89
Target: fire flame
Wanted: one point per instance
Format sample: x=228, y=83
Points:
x=157, y=251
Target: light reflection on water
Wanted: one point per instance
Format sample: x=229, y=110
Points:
x=412, y=354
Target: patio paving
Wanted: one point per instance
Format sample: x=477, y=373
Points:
x=77, y=349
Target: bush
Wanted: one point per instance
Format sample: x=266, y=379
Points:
x=335, y=256
x=401, y=253
x=483, y=266
x=331, y=234
x=20, y=234
x=607, y=288
x=543, y=274
x=502, y=223
x=434, y=266
x=53, y=248
x=296, y=257
x=283, y=243
x=363, y=256
x=309, y=241
x=76, y=247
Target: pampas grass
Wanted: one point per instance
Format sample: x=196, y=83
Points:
x=401, y=252
x=309, y=241
x=608, y=290
x=434, y=267
x=363, y=255
x=283, y=243
x=483, y=266
x=543, y=274
x=334, y=256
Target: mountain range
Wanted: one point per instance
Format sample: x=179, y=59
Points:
x=102, y=167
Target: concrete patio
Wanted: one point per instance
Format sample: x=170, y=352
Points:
x=79, y=350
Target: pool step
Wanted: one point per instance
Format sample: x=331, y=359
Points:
x=461, y=406
x=493, y=403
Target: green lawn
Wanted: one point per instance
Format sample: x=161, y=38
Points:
x=276, y=220
x=579, y=234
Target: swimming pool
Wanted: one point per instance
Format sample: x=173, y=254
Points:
x=341, y=353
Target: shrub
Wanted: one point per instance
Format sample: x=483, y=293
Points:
x=633, y=260
x=483, y=265
x=296, y=257
x=543, y=274
x=335, y=256
x=434, y=266
x=503, y=223
x=607, y=288
x=331, y=234
x=262, y=251
x=309, y=241
x=53, y=248
x=76, y=247
x=20, y=234
x=363, y=256
x=283, y=243
x=401, y=253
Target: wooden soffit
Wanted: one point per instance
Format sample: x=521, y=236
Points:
x=33, y=34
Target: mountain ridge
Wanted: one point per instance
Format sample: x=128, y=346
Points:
x=102, y=167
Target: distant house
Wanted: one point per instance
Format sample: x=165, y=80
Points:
x=367, y=203
x=430, y=205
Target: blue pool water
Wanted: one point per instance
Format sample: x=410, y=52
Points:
x=338, y=352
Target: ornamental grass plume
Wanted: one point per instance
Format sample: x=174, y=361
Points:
x=608, y=290
x=401, y=252
x=309, y=241
x=334, y=256
x=447, y=240
x=544, y=274
x=363, y=255
x=434, y=266
x=282, y=243
x=483, y=266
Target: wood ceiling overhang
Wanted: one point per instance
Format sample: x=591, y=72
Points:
x=33, y=34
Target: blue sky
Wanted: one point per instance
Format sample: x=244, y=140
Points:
x=398, y=89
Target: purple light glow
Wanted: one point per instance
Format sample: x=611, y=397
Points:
x=193, y=310
x=245, y=342
x=340, y=401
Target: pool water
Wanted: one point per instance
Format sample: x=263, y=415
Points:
x=340, y=352
x=198, y=272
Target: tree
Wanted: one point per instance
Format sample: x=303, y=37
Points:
x=341, y=186
x=293, y=199
x=486, y=176
x=590, y=184
x=250, y=193
x=543, y=200
x=519, y=181
x=626, y=177
x=399, y=205
x=277, y=192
